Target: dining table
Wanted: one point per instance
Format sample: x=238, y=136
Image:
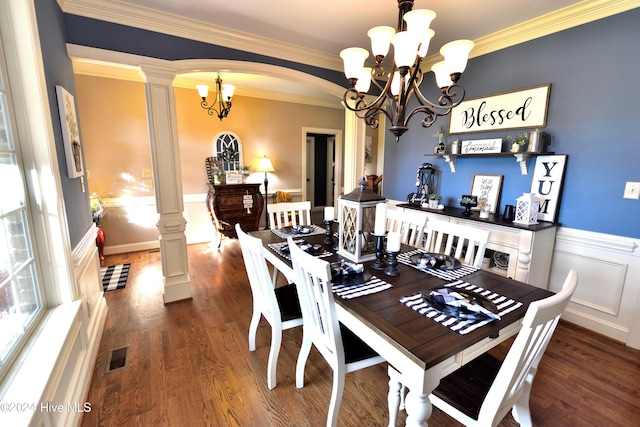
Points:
x=393, y=320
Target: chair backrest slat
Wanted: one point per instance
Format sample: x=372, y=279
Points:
x=410, y=225
x=466, y=243
x=260, y=280
x=520, y=365
x=313, y=281
x=289, y=213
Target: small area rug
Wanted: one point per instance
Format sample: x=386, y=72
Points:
x=115, y=276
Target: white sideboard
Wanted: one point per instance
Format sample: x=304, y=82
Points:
x=530, y=248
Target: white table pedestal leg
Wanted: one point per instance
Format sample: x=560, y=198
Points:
x=418, y=409
x=394, y=395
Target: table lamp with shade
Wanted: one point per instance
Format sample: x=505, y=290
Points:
x=265, y=166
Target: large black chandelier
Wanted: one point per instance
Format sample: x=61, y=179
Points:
x=410, y=44
x=224, y=93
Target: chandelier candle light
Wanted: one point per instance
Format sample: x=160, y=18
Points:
x=224, y=93
x=410, y=44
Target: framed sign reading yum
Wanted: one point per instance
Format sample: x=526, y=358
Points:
x=524, y=108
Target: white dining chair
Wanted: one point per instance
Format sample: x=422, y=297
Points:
x=280, y=307
x=482, y=392
x=340, y=347
x=289, y=213
x=465, y=243
x=410, y=224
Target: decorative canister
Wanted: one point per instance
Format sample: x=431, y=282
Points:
x=455, y=147
x=538, y=141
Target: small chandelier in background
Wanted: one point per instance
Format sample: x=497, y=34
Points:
x=410, y=44
x=223, y=98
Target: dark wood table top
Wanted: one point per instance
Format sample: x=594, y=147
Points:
x=423, y=340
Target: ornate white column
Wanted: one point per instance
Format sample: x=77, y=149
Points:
x=165, y=156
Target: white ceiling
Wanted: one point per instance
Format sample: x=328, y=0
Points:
x=332, y=25
x=319, y=30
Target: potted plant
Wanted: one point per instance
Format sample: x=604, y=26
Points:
x=246, y=171
x=517, y=142
x=434, y=200
x=468, y=201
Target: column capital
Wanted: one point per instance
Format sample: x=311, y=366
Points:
x=157, y=73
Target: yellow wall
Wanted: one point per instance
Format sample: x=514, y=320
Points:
x=266, y=127
x=115, y=139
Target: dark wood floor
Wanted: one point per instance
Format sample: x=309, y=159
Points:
x=190, y=364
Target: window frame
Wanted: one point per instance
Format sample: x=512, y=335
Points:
x=34, y=140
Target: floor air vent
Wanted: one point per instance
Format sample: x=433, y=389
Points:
x=118, y=359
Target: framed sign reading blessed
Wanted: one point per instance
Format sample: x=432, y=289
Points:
x=524, y=108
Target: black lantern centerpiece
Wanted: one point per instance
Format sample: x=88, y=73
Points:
x=357, y=213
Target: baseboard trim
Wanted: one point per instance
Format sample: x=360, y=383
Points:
x=131, y=247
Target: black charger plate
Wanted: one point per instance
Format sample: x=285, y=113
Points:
x=351, y=279
x=299, y=229
x=437, y=261
x=460, y=312
x=315, y=249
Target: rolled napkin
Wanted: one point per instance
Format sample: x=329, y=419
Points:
x=455, y=299
x=346, y=268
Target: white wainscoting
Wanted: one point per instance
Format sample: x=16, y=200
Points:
x=55, y=372
x=607, y=299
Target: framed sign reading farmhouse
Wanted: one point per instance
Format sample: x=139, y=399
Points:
x=524, y=108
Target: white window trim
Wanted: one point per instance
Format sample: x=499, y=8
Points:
x=33, y=370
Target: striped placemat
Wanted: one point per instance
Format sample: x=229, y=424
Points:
x=277, y=248
x=283, y=233
x=458, y=273
x=371, y=286
x=462, y=326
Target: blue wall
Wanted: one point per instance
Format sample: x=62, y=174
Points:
x=121, y=38
x=592, y=117
x=59, y=71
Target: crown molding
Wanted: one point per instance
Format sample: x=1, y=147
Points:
x=153, y=20
x=118, y=12
x=554, y=22
x=120, y=66
x=108, y=71
x=562, y=19
x=271, y=95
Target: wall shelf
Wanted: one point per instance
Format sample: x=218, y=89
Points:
x=521, y=158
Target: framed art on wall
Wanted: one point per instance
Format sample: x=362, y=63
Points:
x=518, y=109
x=70, y=133
x=487, y=188
x=547, y=180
